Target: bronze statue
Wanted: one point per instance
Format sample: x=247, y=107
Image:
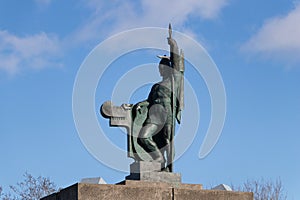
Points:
x=151, y=123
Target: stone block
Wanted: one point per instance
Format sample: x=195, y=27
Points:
x=134, y=183
x=151, y=171
x=110, y=192
x=132, y=190
x=164, y=177
x=143, y=166
x=180, y=194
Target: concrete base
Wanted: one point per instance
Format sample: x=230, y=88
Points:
x=151, y=171
x=144, y=166
x=131, y=190
x=165, y=177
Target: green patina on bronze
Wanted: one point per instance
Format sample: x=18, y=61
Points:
x=151, y=123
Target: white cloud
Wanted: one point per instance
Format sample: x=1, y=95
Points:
x=120, y=15
x=43, y=50
x=36, y=51
x=177, y=11
x=279, y=37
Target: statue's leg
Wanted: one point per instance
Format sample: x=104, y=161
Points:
x=146, y=141
x=167, y=136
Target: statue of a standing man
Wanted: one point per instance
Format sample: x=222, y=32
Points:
x=164, y=103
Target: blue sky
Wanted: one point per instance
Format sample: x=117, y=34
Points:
x=255, y=45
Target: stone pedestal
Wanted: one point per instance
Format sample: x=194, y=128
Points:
x=146, y=190
x=143, y=166
x=146, y=182
x=150, y=171
x=164, y=177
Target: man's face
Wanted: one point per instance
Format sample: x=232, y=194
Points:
x=164, y=70
x=160, y=67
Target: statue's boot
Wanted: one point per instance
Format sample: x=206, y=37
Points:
x=157, y=157
x=169, y=159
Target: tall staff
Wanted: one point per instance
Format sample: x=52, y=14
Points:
x=173, y=103
x=177, y=99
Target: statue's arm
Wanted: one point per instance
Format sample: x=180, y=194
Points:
x=143, y=103
x=177, y=61
x=174, y=54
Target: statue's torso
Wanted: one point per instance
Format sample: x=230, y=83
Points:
x=160, y=110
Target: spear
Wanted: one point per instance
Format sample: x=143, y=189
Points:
x=170, y=30
x=170, y=159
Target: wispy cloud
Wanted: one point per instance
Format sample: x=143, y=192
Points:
x=278, y=38
x=43, y=50
x=35, y=52
x=119, y=15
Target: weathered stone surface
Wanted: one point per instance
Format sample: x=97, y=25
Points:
x=180, y=194
x=123, y=192
x=165, y=177
x=110, y=192
x=134, y=183
x=143, y=166
x=146, y=190
x=191, y=186
x=150, y=171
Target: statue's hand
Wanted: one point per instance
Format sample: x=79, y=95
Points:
x=138, y=108
x=140, y=105
x=171, y=41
